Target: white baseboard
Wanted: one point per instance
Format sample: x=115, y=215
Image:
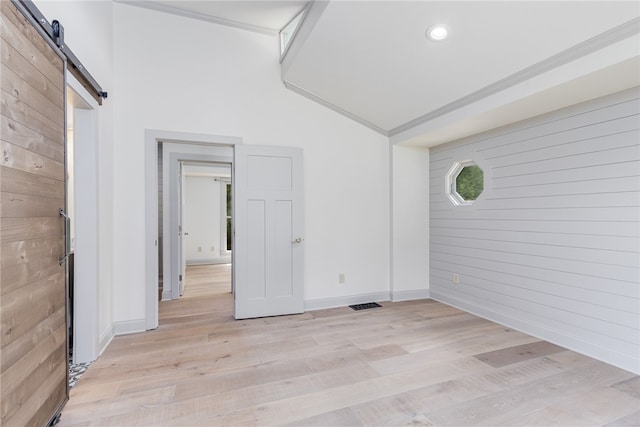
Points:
x=319, y=304
x=410, y=295
x=166, y=294
x=605, y=354
x=129, y=327
x=105, y=340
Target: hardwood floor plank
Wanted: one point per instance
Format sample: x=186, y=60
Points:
x=508, y=406
x=339, y=417
x=603, y=403
x=630, y=387
x=409, y=363
x=631, y=420
x=409, y=408
x=509, y=355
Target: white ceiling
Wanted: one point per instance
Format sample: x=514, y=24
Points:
x=373, y=58
x=504, y=60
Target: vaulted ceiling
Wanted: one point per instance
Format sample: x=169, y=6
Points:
x=503, y=60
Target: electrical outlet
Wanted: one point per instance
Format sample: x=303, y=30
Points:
x=341, y=278
x=199, y=248
x=455, y=279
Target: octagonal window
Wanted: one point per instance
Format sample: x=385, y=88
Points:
x=470, y=182
x=465, y=182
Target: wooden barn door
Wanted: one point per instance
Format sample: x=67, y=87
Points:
x=33, y=316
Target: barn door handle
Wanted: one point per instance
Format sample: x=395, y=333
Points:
x=67, y=247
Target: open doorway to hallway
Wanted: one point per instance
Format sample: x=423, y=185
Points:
x=206, y=223
x=194, y=218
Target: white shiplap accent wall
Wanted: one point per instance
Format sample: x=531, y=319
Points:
x=551, y=247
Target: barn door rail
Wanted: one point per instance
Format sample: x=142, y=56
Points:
x=55, y=31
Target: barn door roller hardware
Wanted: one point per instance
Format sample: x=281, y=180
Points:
x=55, y=31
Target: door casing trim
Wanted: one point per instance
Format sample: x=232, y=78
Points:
x=151, y=139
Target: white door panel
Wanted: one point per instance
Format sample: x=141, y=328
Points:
x=269, y=248
x=183, y=232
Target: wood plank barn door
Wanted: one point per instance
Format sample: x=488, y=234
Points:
x=33, y=316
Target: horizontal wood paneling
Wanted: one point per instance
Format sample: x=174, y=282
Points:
x=583, y=228
x=26, y=251
x=18, y=158
x=553, y=241
x=22, y=368
x=21, y=346
x=12, y=83
x=29, y=73
x=16, y=229
x=14, y=205
x=33, y=330
x=17, y=181
x=617, y=244
x=16, y=276
x=588, y=141
x=42, y=298
x=46, y=357
x=542, y=270
x=568, y=304
x=56, y=386
x=13, y=107
x=21, y=136
x=25, y=39
x=561, y=189
x=495, y=249
x=607, y=155
x=597, y=297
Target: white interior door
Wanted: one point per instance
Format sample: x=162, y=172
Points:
x=268, y=250
x=184, y=233
x=177, y=247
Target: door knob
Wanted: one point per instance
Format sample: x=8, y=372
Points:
x=298, y=240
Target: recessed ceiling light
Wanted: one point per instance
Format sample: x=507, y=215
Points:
x=437, y=33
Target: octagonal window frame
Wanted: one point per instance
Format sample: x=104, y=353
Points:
x=450, y=182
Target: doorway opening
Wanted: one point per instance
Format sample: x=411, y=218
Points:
x=82, y=227
x=268, y=222
x=206, y=224
x=159, y=146
x=194, y=193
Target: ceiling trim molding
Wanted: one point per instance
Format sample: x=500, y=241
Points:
x=334, y=107
x=608, y=38
x=145, y=4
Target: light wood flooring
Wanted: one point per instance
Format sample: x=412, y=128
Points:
x=407, y=363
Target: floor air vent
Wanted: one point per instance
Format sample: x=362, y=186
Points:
x=365, y=306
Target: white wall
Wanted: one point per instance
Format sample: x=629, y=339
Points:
x=88, y=31
x=410, y=267
x=202, y=218
x=551, y=246
x=210, y=79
